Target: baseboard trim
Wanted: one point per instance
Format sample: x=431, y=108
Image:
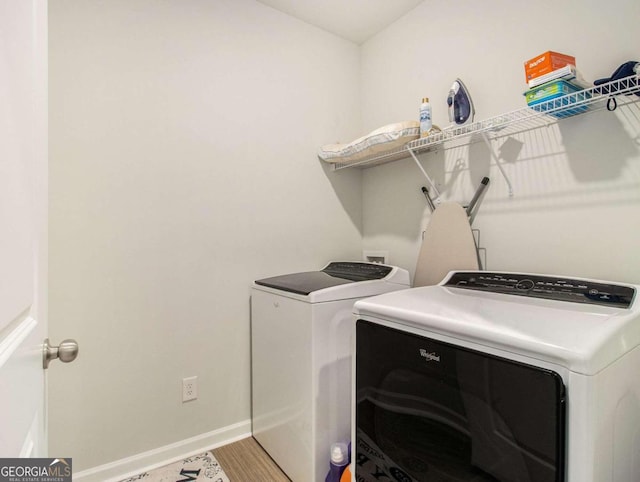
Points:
x=130, y=466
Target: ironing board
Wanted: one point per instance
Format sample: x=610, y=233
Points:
x=448, y=245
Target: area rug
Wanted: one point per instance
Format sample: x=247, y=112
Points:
x=200, y=468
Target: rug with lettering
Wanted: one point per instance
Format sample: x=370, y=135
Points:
x=200, y=468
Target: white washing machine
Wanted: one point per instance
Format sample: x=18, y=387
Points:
x=301, y=329
x=503, y=377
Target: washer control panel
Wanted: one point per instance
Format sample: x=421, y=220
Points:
x=547, y=287
x=355, y=271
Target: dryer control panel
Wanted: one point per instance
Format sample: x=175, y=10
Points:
x=547, y=287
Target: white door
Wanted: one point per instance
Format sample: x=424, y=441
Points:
x=23, y=226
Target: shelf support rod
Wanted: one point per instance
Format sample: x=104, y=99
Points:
x=434, y=189
x=487, y=141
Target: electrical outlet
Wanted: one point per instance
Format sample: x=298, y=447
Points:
x=189, y=389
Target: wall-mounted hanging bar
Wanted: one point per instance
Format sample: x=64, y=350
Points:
x=425, y=191
x=474, y=203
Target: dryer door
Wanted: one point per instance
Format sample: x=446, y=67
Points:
x=432, y=411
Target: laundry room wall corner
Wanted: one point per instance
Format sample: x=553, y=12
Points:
x=183, y=141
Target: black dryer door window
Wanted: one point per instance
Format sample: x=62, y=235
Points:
x=432, y=411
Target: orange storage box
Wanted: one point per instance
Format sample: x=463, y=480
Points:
x=545, y=63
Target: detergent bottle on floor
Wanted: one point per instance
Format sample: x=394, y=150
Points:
x=338, y=462
x=346, y=475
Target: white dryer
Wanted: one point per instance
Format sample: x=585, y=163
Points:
x=505, y=377
x=301, y=341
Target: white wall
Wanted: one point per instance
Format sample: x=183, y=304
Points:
x=182, y=155
x=576, y=200
x=183, y=166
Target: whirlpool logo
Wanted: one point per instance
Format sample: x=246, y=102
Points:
x=429, y=356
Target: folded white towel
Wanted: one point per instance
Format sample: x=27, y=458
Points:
x=384, y=139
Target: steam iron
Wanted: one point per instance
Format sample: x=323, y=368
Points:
x=460, y=106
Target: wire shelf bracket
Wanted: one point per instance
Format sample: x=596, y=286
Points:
x=429, y=180
x=496, y=159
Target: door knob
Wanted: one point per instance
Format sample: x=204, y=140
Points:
x=66, y=352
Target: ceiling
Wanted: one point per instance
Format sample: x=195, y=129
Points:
x=355, y=20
